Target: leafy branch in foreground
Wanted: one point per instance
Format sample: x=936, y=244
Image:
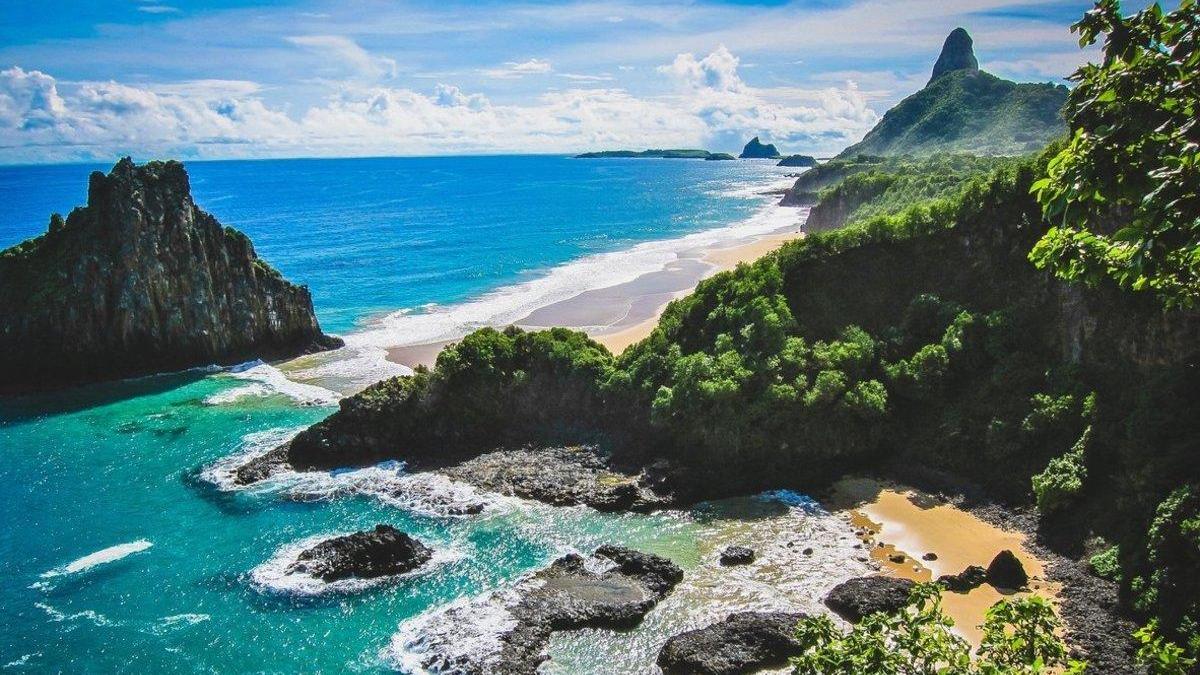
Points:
x=1123, y=193
x=1019, y=636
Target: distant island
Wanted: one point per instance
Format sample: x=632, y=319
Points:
x=756, y=149
x=684, y=153
x=798, y=160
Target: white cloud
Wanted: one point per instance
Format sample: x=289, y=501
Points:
x=515, y=69
x=576, y=77
x=349, y=54
x=227, y=118
x=158, y=9
x=716, y=71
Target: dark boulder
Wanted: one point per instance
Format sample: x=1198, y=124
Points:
x=384, y=551
x=964, y=581
x=857, y=598
x=1005, y=571
x=743, y=642
x=807, y=161
x=737, y=555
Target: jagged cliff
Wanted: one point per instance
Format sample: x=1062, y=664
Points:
x=139, y=281
x=756, y=149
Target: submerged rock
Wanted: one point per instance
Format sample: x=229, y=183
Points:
x=570, y=596
x=141, y=281
x=966, y=580
x=743, y=642
x=737, y=555
x=857, y=598
x=1006, y=571
x=384, y=551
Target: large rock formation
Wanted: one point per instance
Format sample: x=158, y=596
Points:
x=963, y=109
x=755, y=149
x=140, y=281
x=958, y=53
x=384, y=551
x=858, y=598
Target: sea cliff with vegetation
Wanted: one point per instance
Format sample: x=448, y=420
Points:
x=141, y=280
x=1027, y=324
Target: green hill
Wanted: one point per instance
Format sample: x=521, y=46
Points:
x=964, y=109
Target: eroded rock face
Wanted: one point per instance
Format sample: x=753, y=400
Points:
x=857, y=598
x=958, y=53
x=384, y=551
x=570, y=596
x=744, y=642
x=140, y=281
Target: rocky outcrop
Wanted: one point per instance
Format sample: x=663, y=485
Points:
x=569, y=596
x=1006, y=571
x=558, y=476
x=384, y=551
x=737, y=555
x=958, y=53
x=755, y=149
x=807, y=161
x=742, y=643
x=857, y=598
x=140, y=281
x=970, y=578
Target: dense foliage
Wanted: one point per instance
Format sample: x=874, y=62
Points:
x=1019, y=636
x=1125, y=193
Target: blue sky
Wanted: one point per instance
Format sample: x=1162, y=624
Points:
x=236, y=78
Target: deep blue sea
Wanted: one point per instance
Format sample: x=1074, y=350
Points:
x=125, y=548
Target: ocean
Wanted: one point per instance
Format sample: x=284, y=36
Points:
x=126, y=547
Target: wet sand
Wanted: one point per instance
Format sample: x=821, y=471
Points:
x=913, y=524
x=619, y=316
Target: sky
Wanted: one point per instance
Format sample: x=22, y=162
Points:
x=91, y=80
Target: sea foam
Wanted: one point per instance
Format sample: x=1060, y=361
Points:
x=266, y=380
x=101, y=557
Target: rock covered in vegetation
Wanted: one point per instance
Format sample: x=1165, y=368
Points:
x=857, y=598
x=1006, y=571
x=958, y=53
x=383, y=551
x=139, y=281
x=744, y=642
x=798, y=160
x=737, y=555
x=964, y=109
x=756, y=149
x=570, y=596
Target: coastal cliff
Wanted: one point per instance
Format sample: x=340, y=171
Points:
x=141, y=280
x=755, y=149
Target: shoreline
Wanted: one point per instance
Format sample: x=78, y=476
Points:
x=636, y=305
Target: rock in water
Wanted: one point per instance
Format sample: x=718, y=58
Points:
x=857, y=598
x=744, y=642
x=1005, y=571
x=384, y=551
x=140, y=281
x=756, y=150
x=958, y=53
x=737, y=555
x=966, y=580
x=799, y=160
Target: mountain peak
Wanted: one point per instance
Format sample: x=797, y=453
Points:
x=958, y=53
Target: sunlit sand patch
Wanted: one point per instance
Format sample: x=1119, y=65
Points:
x=899, y=521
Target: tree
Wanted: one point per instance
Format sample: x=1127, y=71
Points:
x=1123, y=194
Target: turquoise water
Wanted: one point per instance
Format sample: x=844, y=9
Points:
x=123, y=465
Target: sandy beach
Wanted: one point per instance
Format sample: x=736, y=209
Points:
x=620, y=315
x=896, y=520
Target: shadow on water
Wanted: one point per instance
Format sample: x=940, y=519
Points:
x=31, y=407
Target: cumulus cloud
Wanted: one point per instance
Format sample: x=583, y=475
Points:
x=346, y=52
x=44, y=120
x=514, y=69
